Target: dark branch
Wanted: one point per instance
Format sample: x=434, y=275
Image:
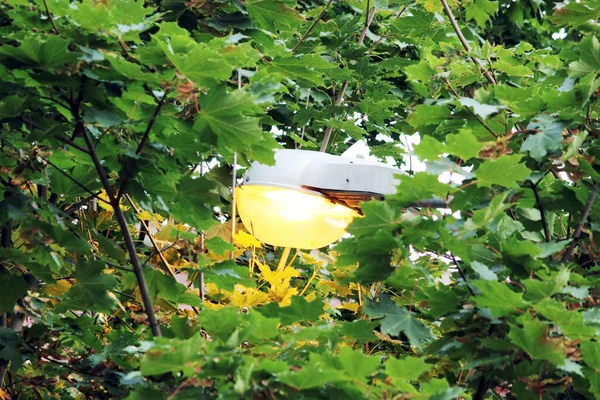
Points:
x=579, y=229
x=140, y=147
x=311, y=27
x=137, y=268
x=54, y=27
x=463, y=41
x=462, y=274
x=72, y=144
x=540, y=206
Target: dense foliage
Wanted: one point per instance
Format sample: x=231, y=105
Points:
x=119, y=124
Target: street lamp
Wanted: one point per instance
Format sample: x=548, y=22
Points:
x=308, y=198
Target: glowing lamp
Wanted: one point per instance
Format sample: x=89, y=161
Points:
x=308, y=198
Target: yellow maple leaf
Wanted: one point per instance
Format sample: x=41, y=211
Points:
x=148, y=216
x=311, y=296
x=349, y=306
x=213, y=306
x=245, y=240
x=248, y=297
x=282, y=295
x=277, y=278
x=104, y=204
x=59, y=288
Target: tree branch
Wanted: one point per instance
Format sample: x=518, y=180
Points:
x=579, y=229
x=77, y=206
x=137, y=268
x=368, y=21
x=462, y=39
x=311, y=27
x=72, y=144
x=329, y=129
x=540, y=207
x=462, y=274
x=140, y=147
x=54, y=27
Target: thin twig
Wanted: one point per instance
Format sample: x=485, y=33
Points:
x=462, y=274
x=129, y=166
x=72, y=144
x=52, y=99
x=157, y=249
x=69, y=367
x=75, y=181
x=74, y=207
x=462, y=39
x=383, y=35
x=540, y=207
x=579, y=229
x=455, y=93
x=329, y=129
x=311, y=27
x=54, y=27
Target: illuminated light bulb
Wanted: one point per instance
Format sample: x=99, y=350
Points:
x=292, y=218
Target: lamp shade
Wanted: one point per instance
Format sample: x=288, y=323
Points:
x=292, y=218
x=308, y=199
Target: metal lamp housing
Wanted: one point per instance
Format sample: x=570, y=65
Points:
x=308, y=198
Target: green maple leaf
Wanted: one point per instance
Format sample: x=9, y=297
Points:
x=12, y=287
x=589, y=62
x=300, y=310
x=230, y=116
x=273, y=15
x=193, y=195
x=356, y=364
x=91, y=289
x=377, y=215
x=429, y=148
x=533, y=339
x=311, y=375
x=425, y=114
x=548, y=138
x=505, y=171
x=498, y=298
x=307, y=69
x=481, y=11
x=173, y=356
x=404, y=370
x=591, y=354
x=464, y=144
x=395, y=320
x=49, y=54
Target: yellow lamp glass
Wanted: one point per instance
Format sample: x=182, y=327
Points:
x=291, y=218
